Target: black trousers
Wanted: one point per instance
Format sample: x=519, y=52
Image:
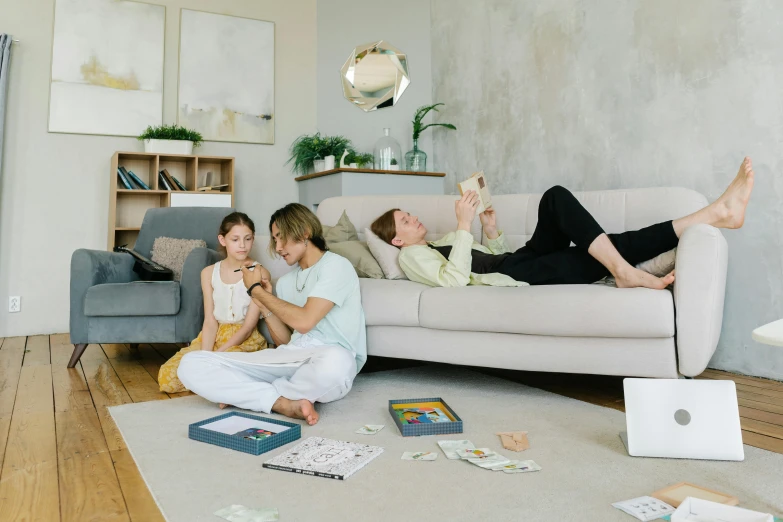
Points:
x=549, y=259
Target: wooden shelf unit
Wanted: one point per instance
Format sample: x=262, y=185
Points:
x=127, y=207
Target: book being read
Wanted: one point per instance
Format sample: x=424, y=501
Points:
x=325, y=458
x=478, y=183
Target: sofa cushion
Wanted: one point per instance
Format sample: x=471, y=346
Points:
x=132, y=299
x=558, y=310
x=391, y=302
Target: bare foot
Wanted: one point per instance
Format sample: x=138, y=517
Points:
x=301, y=409
x=730, y=207
x=224, y=405
x=635, y=278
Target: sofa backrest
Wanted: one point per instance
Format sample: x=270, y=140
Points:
x=181, y=223
x=616, y=210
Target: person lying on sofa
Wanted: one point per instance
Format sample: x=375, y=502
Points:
x=316, y=320
x=548, y=257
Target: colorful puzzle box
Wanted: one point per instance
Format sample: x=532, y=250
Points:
x=428, y=416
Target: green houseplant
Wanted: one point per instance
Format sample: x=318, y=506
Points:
x=308, y=149
x=170, y=139
x=415, y=159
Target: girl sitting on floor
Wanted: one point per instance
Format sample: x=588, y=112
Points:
x=230, y=316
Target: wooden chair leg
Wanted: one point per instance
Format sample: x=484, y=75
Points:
x=78, y=350
x=134, y=347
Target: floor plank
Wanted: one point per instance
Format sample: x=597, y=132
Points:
x=37, y=350
x=152, y=360
x=762, y=441
x=140, y=385
x=106, y=390
x=28, y=481
x=757, y=382
x=141, y=505
x=70, y=387
x=764, y=416
x=761, y=406
x=762, y=428
x=11, y=355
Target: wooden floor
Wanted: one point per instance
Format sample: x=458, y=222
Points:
x=62, y=457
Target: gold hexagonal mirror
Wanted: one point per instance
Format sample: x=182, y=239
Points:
x=375, y=76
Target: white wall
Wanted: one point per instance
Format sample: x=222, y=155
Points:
x=54, y=188
x=343, y=25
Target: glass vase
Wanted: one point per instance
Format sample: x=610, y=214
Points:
x=387, y=154
x=416, y=160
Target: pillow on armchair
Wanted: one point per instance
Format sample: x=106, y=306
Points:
x=171, y=252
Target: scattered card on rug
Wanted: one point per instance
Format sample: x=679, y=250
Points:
x=474, y=453
x=514, y=440
x=489, y=461
x=450, y=447
x=240, y=513
x=644, y=508
x=370, y=429
x=524, y=466
x=419, y=455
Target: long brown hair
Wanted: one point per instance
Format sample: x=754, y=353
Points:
x=296, y=221
x=232, y=220
x=385, y=227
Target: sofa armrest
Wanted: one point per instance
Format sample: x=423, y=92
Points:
x=699, y=291
x=191, y=309
x=90, y=268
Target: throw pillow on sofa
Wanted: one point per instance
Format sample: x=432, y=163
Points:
x=343, y=240
x=342, y=231
x=660, y=265
x=360, y=257
x=172, y=252
x=387, y=255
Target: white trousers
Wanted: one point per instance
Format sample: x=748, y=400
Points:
x=305, y=369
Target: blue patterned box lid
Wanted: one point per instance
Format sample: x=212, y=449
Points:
x=233, y=423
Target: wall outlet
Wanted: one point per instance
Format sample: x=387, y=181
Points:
x=15, y=303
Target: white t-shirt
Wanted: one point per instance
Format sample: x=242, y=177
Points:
x=332, y=278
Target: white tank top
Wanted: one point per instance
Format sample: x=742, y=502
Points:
x=230, y=301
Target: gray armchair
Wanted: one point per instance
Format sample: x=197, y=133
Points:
x=110, y=305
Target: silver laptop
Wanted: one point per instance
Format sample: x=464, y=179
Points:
x=683, y=419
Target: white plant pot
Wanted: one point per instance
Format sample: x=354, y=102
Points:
x=329, y=163
x=394, y=167
x=318, y=165
x=353, y=166
x=169, y=146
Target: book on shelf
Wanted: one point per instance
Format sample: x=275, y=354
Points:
x=135, y=178
x=124, y=180
x=213, y=188
x=164, y=183
x=477, y=183
x=173, y=180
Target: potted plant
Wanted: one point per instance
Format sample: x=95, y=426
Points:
x=170, y=139
x=356, y=160
x=393, y=165
x=416, y=160
x=311, y=152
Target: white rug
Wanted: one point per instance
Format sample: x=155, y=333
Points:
x=585, y=466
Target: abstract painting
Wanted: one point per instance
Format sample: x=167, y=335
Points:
x=226, y=77
x=107, y=67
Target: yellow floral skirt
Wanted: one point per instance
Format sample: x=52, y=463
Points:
x=167, y=376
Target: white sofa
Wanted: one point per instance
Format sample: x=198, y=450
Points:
x=592, y=329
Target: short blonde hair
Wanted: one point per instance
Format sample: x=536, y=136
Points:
x=296, y=221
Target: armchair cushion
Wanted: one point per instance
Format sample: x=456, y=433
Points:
x=132, y=299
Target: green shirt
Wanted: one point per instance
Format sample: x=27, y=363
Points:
x=425, y=265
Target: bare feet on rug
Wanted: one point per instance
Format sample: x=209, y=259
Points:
x=730, y=207
x=224, y=405
x=301, y=409
x=634, y=278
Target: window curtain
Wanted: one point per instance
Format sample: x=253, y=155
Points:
x=5, y=70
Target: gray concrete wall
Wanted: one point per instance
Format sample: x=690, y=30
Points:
x=597, y=95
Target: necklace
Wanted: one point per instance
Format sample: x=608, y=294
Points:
x=305, y=281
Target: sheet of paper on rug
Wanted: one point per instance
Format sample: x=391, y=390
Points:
x=240, y=513
x=644, y=508
x=325, y=458
x=525, y=466
x=490, y=461
x=698, y=510
x=234, y=424
x=474, y=453
x=514, y=440
x=450, y=447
